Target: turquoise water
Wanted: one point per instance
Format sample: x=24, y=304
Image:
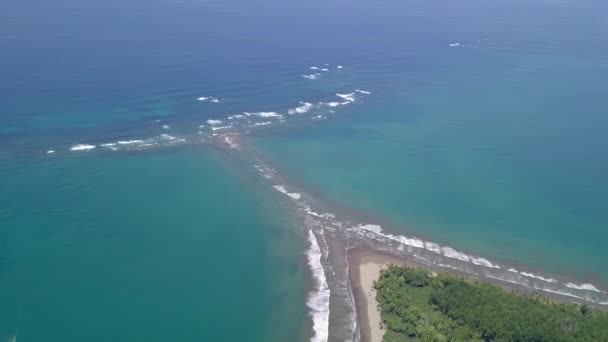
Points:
x=146, y=247
x=484, y=131
x=509, y=163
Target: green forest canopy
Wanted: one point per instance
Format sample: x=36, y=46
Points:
x=419, y=306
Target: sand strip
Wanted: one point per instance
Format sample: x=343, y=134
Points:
x=365, y=266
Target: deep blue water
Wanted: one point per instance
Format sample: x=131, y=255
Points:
x=87, y=70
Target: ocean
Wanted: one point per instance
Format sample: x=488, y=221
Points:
x=146, y=148
x=146, y=247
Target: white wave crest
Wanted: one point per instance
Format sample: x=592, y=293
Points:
x=167, y=137
x=364, y=92
x=305, y=107
x=559, y=292
x=166, y=127
x=454, y=254
x=232, y=143
x=433, y=247
x=371, y=227
x=318, y=299
x=294, y=195
x=261, y=124
x=215, y=128
x=455, y=44
x=129, y=142
x=208, y=98
x=340, y=67
x=214, y=122
x=483, y=262
x=82, y=147
x=348, y=97
x=531, y=275
x=446, y=251
x=267, y=114
x=281, y=189
x=311, y=76
x=588, y=287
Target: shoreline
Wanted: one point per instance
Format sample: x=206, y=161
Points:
x=371, y=250
x=364, y=267
x=365, y=264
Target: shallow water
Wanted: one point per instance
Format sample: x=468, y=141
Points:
x=146, y=247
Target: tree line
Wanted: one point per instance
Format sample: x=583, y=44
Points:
x=417, y=305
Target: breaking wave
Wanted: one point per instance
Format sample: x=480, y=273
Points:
x=312, y=76
x=318, y=299
x=434, y=254
x=304, y=108
x=82, y=147
x=209, y=99
x=241, y=122
x=281, y=189
x=266, y=114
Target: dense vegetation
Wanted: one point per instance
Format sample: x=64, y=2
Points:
x=419, y=306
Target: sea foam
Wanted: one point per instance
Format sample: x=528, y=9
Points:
x=82, y=147
x=167, y=137
x=257, y=124
x=216, y=128
x=348, y=97
x=129, y=142
x=318, y=299
x=531, y=275
x=267, y=114
x=531, y=280
x=446, y=251
x=311, y=76
x=588, y=287
x=305, y=107
x=208, y=98
x=281, y=189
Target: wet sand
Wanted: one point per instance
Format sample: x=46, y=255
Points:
x=365, y=266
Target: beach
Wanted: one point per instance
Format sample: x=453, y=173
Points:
x=365, y=267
